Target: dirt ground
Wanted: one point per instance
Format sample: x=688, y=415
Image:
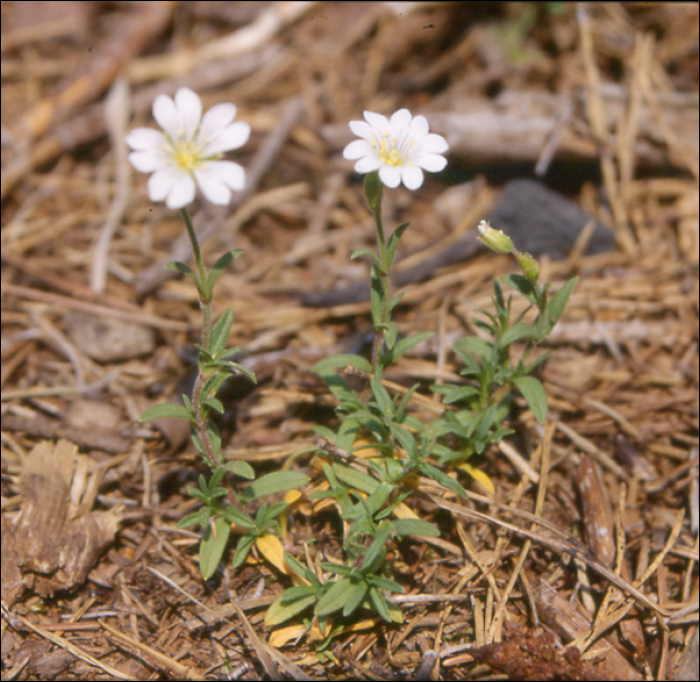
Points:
x=573, y=127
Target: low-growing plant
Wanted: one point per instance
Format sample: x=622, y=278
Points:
x=370, y=466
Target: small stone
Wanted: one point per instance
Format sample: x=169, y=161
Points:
x=107, y=339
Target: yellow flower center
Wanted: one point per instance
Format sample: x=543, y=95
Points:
x=392, y=151
x=187, y=154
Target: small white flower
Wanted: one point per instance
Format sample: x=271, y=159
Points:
x=187, y=153
x=400, y=148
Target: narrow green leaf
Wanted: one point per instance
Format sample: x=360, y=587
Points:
x=377, y=550
x=243, y=546
x=274, y=482
x=365, y=252
x=473, y=344
x=240, y=468
x=443, y=479
x=522, y=285
x=165, y=410
x=355, y=478
x=405, y=344
x=300, y=569
x=516, y=332
x=335, y=598
x=391, y=331
x=212, y=548
x=214, y=404
x=220, y=333
x=355, y=598
x=220, y=266
x=342, y=360
x=558, y=302
x=201, y=517
x=534, y=394
x=185, y=270
x=284, y=607
x=380, y=603
x=416, y=527
x=454, y=394
x=394, y=242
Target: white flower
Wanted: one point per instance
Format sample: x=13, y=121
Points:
x=187, y=153
x=398, y=148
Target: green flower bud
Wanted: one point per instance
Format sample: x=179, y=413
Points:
x=373, y=191
x=529, y=266
x=495, y=239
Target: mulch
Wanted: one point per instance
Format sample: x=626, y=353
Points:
x=572, y=127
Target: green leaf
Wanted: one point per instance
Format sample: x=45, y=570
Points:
x=416, y=527
x=443, y=479
x=214, y=404
x=335, y=598
x=201, y=517
x=391, y=331
x=394, y=242
x=240, y=468
x=385, y=584
x=381, y=395
x=342, y=360
x=235, y=515
x=522, y=285
x=380, y=604
x=245, y=542
x=220, y=333
x=185, y=270
x=212, y=548
x=453, y=394
x=301, y=570
x=220, y=266
x=286, y=607
x=376, y=297
x=274, y=482
x=558, y=302
x=165, y=410
x=355, y=598
x=355, y=478
x=365, y=252
x=534, y=395
x=473, y=344
x=517, y=331
x=377, y=550
x=405, y=344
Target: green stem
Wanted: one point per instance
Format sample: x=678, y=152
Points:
x=373, y=190
x=200, y=421
x=203, y=285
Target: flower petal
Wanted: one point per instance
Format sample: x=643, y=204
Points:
x=402, y=119
x=231, y=137
x=431, y=162
x=412, y=176
x=145, y=139
x=368, y=164
x=377, y=121
x=166, y=115
x=217, y=118
x=217, y=178
x=147, y=161
x=357, y=149
x=435, y=143
x=390, y=176
x=189, y=109
x=362, y=129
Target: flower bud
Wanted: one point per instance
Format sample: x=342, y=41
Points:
x=529, y=266
x=373, y=191
x=495, y=239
